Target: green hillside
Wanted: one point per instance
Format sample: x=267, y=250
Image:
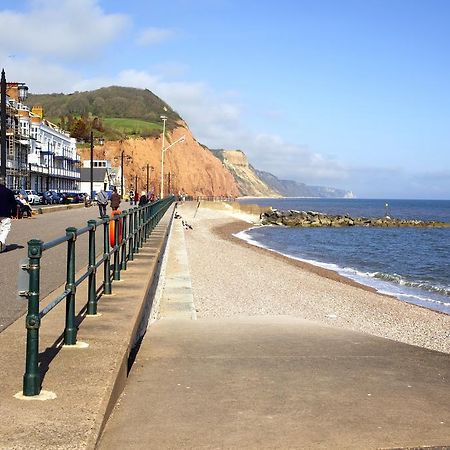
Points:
x=113, y=112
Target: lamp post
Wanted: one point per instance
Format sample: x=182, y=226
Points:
x=91, y=170
x=163, y=151
x=149, y=169
x=122, y=156
x=161, y=195
x=3, y=126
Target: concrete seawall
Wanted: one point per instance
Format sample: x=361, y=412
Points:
x=86, y=381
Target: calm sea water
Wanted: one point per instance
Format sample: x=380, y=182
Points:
x=412, y=264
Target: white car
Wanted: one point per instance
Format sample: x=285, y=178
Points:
x=33, y=198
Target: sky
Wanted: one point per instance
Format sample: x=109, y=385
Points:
x=353, y=94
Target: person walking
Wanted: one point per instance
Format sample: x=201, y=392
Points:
x=8, y=208
x=115, y=200
x=143, y=200
x=102, y=202
x=131, y=195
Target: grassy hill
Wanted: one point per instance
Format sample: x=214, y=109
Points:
x=113, y=112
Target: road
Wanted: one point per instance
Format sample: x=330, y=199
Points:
x=46, y=227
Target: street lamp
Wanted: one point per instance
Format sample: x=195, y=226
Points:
x=91, y=170
x=122, y=156
x=3, y=127
x=148, y=168
x=163, y=151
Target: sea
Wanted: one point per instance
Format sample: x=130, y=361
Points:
x=412, y=264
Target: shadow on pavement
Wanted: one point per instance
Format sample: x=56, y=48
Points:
x=11, y=247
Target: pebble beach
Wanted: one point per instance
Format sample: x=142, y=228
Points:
x=231, y=278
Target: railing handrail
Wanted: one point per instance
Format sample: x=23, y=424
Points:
x=136, y=224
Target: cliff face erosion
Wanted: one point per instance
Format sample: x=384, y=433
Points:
x=188, y=166
x=128, y=120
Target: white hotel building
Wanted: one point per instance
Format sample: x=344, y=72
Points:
x=52, y=159
x=40, y=156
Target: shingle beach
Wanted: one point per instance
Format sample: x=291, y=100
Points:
x=233, y=278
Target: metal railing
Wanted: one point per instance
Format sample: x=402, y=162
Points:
x=136, y=225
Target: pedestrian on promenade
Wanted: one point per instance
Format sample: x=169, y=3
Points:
x=136, y=197
x=102, y=202
x=131, y=197
x=8, y=208
x=143, y=200
x=115, y=200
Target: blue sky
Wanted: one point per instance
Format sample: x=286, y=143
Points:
x=350, y=94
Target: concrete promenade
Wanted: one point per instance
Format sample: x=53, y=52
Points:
x=273, y=382
x=241, y=382
x=84, y=382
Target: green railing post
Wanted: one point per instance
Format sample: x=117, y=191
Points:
x=116, y=273
x=107, y=289
x=147, y=222
x=153, y=217
x=131, y=233
x=150, y=219
x=70, y=330
x=136, y=230
x=141, y=228
x=144, y=225
x=31, y=378
x=92, y=283
x=124, y=240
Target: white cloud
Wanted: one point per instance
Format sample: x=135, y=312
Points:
x=272, y=153
x=216, y=120
x=44, y=77
x=153, y=35
x=66, y=29
x=59, y=28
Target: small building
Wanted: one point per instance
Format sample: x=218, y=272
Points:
x=103, y=176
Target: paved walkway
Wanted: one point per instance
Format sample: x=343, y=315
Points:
x=46, y=227
x=274, y=382
x=80, y=384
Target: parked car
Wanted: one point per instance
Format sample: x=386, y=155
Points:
x=67, y=197
x=42, y=200
x=33, y=197
x=59, y=197
x=71, y=197
x=52, y=197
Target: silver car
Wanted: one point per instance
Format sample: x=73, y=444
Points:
x=33, y=197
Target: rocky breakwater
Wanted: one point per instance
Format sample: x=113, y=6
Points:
x=294, y=218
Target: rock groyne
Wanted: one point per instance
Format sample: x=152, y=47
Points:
x=294, y=218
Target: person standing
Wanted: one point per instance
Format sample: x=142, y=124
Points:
x=143, y=200
x=115, y=200
x=102, y=202
x=8, y=208
x=131, y=197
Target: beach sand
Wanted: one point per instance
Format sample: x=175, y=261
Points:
x=233, y=278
